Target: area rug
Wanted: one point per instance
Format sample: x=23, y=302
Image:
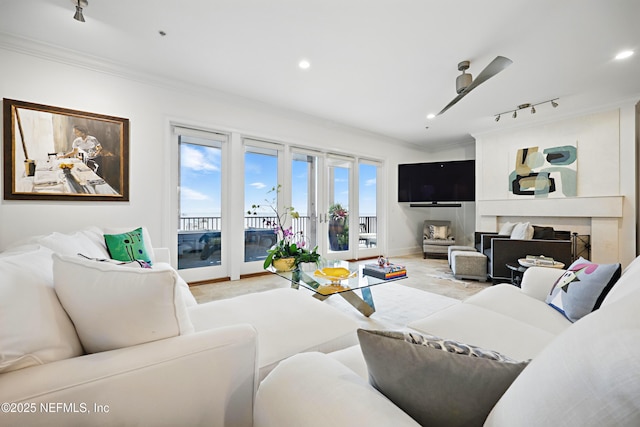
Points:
x=447, y=275
x=396, y=306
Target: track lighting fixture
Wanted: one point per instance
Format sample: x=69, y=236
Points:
x=79, y=5
x=553, y=103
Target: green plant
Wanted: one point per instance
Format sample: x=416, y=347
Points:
x=337, y=212
x=288, y=243
x=339, y=227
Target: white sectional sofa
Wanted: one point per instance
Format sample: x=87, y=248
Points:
x=585, y=373
x=85, y=342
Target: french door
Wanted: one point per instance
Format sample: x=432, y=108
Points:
x=337, y=198
x=228, y=184
x=201, y=245
x=340, y=220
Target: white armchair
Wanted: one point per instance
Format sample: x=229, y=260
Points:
x=437, y=236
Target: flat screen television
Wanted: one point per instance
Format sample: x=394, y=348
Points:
x=452, y=181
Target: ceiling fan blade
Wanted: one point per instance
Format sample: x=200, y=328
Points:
x=452, y=103
x=494, y=67
x=497, y=65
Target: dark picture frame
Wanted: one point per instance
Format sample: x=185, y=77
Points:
x=54, y=153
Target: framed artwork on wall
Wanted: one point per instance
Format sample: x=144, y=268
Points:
x=545, y=172
x=53, y=153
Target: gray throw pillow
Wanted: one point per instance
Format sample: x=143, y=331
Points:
x=437, y=382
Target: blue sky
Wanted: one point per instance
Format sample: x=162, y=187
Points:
x=200, y=187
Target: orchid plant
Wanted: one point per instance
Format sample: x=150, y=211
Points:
x=288, y=243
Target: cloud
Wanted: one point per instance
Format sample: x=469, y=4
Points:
x=258, y=185
x=200, y=159
x=190, y=194
x=370, y=182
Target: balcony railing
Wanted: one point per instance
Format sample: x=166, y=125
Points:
x=200, y=243
x=368, y=224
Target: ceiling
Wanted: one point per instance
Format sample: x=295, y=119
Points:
x=377, y=65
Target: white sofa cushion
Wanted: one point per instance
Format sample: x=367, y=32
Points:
x=588, y=376
x=288, y=321
x=34, y=328
x=483, y=327
x=512, y=302
x=114, y=306
x=628, y=283
x=324, y=393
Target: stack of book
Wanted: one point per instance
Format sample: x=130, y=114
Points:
x=390, y=271
x=540, y=260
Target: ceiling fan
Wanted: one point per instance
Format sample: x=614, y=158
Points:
x=465, y=82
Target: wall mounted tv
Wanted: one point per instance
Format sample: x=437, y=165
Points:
x=452, y=181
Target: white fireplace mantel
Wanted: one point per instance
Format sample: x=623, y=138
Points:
x=604, y=214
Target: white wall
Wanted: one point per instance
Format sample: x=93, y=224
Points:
x=411, y=219
x=605, y=206
x=150, y=106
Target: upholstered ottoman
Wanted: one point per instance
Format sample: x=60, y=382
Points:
x=469, y=265
x=451, y=249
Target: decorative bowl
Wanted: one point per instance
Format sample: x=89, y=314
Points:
x=335, y=274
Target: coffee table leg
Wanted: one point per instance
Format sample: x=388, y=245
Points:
x=368, y=298
x=320, y=296
x=364, y=306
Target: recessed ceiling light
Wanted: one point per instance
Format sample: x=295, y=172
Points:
x=624, y=54
x=304, y=64
x=431, y=116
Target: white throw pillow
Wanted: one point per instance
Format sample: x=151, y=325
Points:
x=74, y=243
x=438, y=231
x=114, y=306
x=522, y=231
x=507, y=228
x=34, y=328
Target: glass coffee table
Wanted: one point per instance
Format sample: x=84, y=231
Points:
x=323, y=287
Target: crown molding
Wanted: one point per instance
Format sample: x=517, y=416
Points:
x=94, y=63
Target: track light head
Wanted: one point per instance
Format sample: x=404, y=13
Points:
x=515, y=114
x=498, y=118
x=554, y=104
x=533, y=109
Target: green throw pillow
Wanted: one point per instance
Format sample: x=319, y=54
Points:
x=127, y=246
x=437, y=382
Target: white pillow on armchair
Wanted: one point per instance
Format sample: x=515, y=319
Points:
x=522, y=231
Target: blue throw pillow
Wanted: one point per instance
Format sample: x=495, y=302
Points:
x=127, y=246
x=582, y=288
